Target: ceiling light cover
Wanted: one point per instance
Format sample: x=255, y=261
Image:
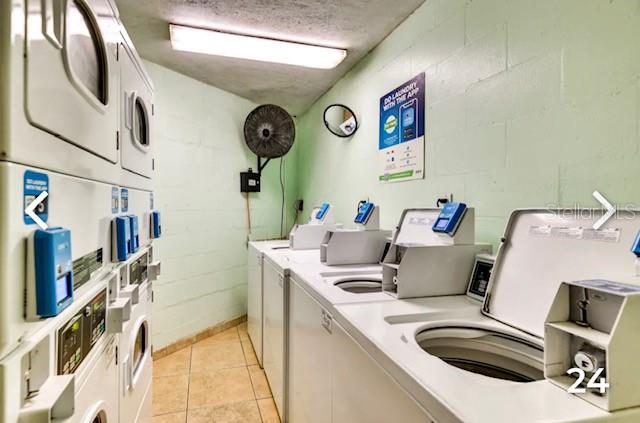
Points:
x=216, y=43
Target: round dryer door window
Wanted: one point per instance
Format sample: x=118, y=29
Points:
x=140, y=346
x=85, y=50
x=141, y=123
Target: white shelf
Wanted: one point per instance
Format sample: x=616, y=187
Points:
x=600, y=339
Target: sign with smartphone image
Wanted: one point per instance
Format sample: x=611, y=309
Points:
x=401, y=140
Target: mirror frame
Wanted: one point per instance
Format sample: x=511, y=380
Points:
x=326, y=124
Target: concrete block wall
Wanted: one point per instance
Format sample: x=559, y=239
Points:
x=529, y=104
x=200, y=151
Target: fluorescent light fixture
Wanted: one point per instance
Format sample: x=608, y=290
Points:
x=216, y=43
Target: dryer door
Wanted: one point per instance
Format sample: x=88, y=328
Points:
x=71, y=73
x=137, y=371
x=137, y=119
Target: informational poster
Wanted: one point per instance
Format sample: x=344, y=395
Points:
x=401, y=142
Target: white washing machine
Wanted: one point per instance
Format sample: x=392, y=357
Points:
x=446, y=350
x=67, y=370
x=254, y=290
x=84, y=207
x=136, y=362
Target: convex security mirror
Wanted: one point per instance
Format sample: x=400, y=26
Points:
x=340, y=120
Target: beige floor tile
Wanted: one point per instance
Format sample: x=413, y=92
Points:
x=240, y=412
x=226, y=335
x=268, y=411
x=173, y=364
x=223, y=355
x=170, y=394
x=220, y=387
x=242, y=331
x=249, y=352
x=259, y=382
x=171, y=418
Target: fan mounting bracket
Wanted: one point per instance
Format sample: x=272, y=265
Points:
x=262, y=165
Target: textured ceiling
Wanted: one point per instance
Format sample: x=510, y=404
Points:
x=355, y=25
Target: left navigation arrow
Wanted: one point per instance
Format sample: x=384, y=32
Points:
x=30, y=210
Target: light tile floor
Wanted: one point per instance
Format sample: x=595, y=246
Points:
x=216, y=380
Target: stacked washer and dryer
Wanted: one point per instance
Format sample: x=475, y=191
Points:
x=76, y=268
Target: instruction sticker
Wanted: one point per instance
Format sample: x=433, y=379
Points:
x=124, y=200
x=575, y=233
x=115, y=200
x=34, y=184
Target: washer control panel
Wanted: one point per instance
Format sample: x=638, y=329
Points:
x=78, y=336
x=138, y=270
x=480, y=275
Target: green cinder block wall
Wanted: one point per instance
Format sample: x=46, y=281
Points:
x=528, y=104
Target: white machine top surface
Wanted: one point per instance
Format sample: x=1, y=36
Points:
x=284, y=258
x=415, y=228
x=319, y=280
x=263, y=246
x=544, y=248
x=386, y=330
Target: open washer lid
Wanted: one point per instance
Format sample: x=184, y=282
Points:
x=543, y=247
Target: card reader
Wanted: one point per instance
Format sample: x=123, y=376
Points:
x=364, y=212
x=449, y=218
x=322, y=211
x=135, y=237
x=636, y=246
x=53, y=271
x=121, y=238
x=156, y=227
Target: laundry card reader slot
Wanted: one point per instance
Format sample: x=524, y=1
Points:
x=450, y=218
x=121, y=238
x=50, y=277
x=322, y=211
x=364, y=213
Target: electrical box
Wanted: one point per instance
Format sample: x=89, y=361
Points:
x=121, y=238
x=249, y=181
x=50, y=274
x=450, y=218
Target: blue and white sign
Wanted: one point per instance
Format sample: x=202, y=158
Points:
x=115, y=200
x=124, y=200
x=34, y=184
x=401, y=141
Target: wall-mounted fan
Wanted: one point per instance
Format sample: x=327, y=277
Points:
x=269, y=132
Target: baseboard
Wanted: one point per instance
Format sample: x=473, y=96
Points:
x=192, y=339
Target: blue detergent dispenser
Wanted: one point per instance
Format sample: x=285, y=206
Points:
x=50, y=277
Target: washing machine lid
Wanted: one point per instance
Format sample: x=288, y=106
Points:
x=542, y=248
x=415, y=228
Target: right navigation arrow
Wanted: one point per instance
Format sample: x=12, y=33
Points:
x=610, y=210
